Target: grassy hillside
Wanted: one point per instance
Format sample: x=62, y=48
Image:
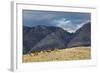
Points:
x=75, y=53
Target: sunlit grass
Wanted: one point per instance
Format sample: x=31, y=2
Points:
x=75, y=53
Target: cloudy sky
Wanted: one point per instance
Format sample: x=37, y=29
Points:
x=70, y=21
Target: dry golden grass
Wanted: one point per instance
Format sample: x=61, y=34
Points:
x=76, y=53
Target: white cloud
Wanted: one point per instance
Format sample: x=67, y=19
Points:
x=80, y=25
x=66, y=24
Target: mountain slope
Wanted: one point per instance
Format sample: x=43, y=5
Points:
x=82, y=37
x=57, y=39
x=44, y=37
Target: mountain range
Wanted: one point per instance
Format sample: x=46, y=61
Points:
x=43, y=37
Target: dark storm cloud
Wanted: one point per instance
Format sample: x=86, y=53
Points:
x=70, y=21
